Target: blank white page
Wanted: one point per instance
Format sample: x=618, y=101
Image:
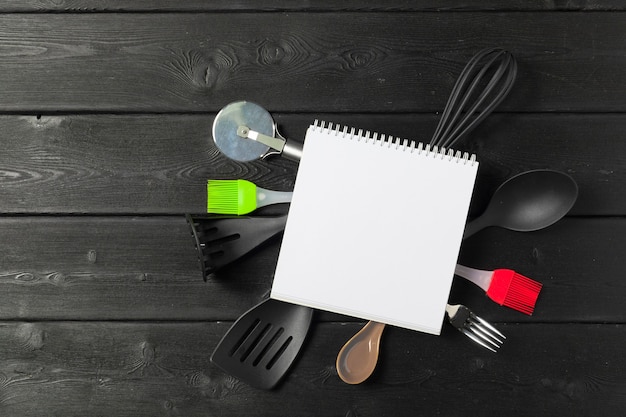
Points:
x=374, y=229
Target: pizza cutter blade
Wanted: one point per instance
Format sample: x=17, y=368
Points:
x=245, y=131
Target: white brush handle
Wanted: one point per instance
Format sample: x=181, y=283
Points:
x=266, y=197
x=477, y=276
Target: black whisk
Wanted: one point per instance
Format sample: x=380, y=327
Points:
x=468, y=105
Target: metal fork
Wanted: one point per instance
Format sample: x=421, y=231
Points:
x=472, y=326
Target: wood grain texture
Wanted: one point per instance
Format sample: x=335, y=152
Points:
x=105, y=119
x=163, y=369
x=80, y=268
x=147, y=164
x=92, y=268
x=87, y=6
x=403, y=62
x=126, y=163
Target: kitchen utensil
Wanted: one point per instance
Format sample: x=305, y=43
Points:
x=474, y=327
x=458, y=118
x=241, y=197
x=245, y=131
x=528, y=201
x=504, y=286
x=220, y=240
x=358, y=357
x=263, y=343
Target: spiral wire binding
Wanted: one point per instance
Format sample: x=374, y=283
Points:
x=404, y=145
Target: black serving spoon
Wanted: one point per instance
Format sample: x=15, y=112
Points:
x=529, y=201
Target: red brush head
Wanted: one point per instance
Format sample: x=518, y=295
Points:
x=510, y=289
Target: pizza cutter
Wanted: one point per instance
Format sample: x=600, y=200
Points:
x=245, y=131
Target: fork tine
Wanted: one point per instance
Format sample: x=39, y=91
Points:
x=486, y=330
x=484, y=334
x=474, y=327
x=489, y=326
x=476, y=339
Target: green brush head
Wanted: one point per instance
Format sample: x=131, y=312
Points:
x=231, y=197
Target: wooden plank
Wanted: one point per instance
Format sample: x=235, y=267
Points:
x=118, y=165
x=572, y=259
x=100, y=268
x=142, y=164
x=119, y=268
x=152, y=369
x=88, y=6
x=403, y=62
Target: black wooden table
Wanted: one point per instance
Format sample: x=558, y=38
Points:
x=106, y=112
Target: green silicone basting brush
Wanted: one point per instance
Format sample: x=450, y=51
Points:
x=240, y=197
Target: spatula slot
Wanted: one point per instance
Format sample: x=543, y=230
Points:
x=268, y=346
x=243, y=337
x=278, y=354
x=252, y=341
x=212, y=256
x=222, y=240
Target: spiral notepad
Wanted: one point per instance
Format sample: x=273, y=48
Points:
x=374, y=227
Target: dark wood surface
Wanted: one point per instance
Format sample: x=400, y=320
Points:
x=105, y=117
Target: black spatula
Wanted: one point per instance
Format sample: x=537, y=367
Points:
x=262, y=344
x=223, y=239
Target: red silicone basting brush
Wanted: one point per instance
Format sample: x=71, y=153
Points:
x=504, y=286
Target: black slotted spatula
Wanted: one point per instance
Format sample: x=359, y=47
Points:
x=263, y=343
